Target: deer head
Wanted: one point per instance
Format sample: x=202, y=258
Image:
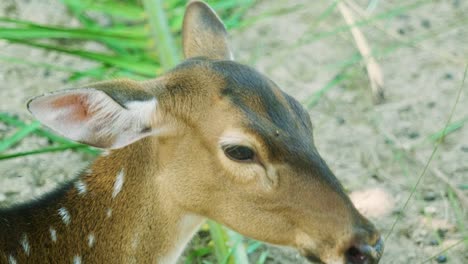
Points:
x=230, y=146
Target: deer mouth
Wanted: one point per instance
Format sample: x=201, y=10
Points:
x=362, y=254
x=365, y=254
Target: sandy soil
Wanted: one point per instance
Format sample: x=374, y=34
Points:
x=353, y=134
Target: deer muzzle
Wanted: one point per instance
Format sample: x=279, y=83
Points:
x=363, y=253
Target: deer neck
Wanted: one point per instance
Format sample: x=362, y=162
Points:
x=115, y=212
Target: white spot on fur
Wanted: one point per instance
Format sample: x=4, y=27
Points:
x=25, y=244
x=91, y=240
x=105, y=153
x=53, y=234
x=11, y=260
x=65, y=215
x=77, y=260
x=119, y=181
x=109, y=212
x=81, y=187
x=187, y=227
x=135, y=241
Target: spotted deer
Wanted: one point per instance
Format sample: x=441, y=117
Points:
x=210, y=139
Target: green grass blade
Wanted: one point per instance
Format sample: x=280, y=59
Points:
x=113, y=8
x=145, y=68
x=460, y=216
x=43, y=150
x=219, y=239
x=127, y=41
x=254, y=246
x=4, y=117
x=452, y=127
x=315, y=98
x=127, y=31
x=363, y=22
x=161, y=33
x=18, y=136
x=238, y=249
x=237, y=23
x=434, y=150
x=444, y=250
x=263, y=257
x=198, y=253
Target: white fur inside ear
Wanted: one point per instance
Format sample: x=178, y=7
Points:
x=90, y=116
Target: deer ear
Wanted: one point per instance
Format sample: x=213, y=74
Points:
x=98, y=116
x=203, y=33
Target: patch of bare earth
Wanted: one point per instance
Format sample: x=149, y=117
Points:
x=422, y=54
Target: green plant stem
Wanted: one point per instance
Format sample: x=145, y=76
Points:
x=43, y=150
x=18, y=136
x=218, y=236
x=436, y=147
x=44, y=133
x=161, y=33
x=443, y=251
x=314, y=99
x=238, y=248
x=460, y=215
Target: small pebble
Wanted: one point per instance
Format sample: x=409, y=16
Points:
x=426, y=23
x=401, y=31
x=441, y=259
x=389, y=142
x=464, y=148
x=46, y=73
x=442, y=232
x=429, y=196
x=340, y=120
x=413, y=135
x=405, y=108
x=448, y=76
x=431, y=104
x=434, y=242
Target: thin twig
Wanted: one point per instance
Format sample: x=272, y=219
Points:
x=373, y=68
x=461, y=196
x=443, y=251
x=436, y=147
x=364, y=14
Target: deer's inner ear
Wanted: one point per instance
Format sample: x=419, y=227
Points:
x=203, y=33
x=92, y=117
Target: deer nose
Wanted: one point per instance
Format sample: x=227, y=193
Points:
x=365, y=254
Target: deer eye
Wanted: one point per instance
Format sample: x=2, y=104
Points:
x=239, y=153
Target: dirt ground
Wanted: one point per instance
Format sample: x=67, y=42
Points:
x=362, y=142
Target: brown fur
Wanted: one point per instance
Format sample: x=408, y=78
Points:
x=288, y=196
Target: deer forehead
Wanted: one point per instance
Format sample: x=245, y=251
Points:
x=272, y=117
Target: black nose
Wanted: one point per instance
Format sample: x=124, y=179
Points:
x=365, y=254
